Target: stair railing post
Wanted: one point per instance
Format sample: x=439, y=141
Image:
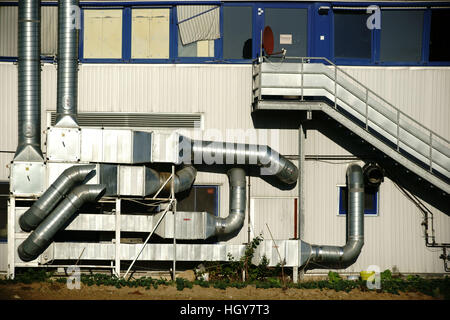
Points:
x=431, y=151
x=367, y=109
x=398, y=130
x=301, y=79
x=335, y=86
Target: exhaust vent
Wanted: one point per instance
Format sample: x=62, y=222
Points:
x=137, y=120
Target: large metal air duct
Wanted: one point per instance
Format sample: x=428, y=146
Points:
x=341, y=257
x=224, y=153
x=235, y=220
x=45, y=204
x=183, y=179
x=67, y=87
x=41, y=238
x=29, y=82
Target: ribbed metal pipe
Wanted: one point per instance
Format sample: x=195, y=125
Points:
x=53, y=195
x=342, y=257
x=29, y=82
x=270, y=161
x=42, y=237
x=235, y=220
x=67, y=85
x=183, y=179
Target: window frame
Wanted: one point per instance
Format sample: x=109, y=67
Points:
x=217, y=198
x=341, y=212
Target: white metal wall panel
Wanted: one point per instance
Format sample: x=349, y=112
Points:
x=49, y=30
x=8, y=31
x=223, y=94
x=272, y=216
x=3, y=257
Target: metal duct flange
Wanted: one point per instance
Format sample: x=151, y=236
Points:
x=42, y=237
x=67, y=85
x=29, y=82
x=45, y=204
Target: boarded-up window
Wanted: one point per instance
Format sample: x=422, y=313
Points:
x=150, y=33
x=103, y=34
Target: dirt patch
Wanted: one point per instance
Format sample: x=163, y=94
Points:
x=59, y=291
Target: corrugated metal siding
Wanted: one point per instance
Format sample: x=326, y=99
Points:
x=3, y=257
x=223, y=94
x=9, y=31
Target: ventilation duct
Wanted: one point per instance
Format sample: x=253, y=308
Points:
x=225, y=153
x=45, y=204
x=341, y=257
x=236, y=217
x=41, y=238
x=29, y=82
x=67, y=87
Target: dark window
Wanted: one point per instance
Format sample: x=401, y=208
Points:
x=201, y=198
x=237, y=32
x=290, y=30
x=401, y=35
x=440, y=35
x=352, y=38
x=370, y=202
x=4, y=195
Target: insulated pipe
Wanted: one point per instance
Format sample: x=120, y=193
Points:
x=67, y=85
x=236, y=217
x=41, y=238
x=45, y=204
x=342, y=257
x=29, y=82
x=212, y=152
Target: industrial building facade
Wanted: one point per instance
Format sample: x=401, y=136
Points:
x=190, y=66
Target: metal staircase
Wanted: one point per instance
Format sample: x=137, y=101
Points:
x=316, y=84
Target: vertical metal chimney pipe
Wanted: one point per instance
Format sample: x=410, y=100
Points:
x=67, y=86
x=29, y=82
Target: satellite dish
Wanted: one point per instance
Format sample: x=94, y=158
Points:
x=268, y=40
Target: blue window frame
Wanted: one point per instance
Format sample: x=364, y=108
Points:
x=371, y=199
x=201, y=198
x=323, y=37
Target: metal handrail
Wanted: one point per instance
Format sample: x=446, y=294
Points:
x=426, y=135
x=368, y=90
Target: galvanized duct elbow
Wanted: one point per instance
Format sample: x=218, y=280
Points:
x=29, y=82
x=67, y=87
x=183, y=180
x=41, y=238
x=236, y=217
x=270, y=161
x=51, y=197
x=342, y=257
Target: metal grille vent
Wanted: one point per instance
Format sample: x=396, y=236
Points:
x=137, y=120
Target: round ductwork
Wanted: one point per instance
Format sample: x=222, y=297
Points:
x=373, y=175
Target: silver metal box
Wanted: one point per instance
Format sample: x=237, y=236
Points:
x=165, y=147
x=115, y=145
x=63, y=144
x=27, y=178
